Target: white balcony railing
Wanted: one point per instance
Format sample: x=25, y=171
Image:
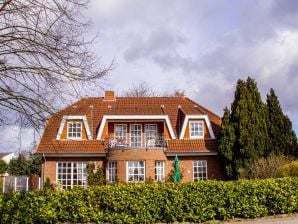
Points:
x=152, y=143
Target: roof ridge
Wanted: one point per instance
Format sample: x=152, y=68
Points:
x=202, y=107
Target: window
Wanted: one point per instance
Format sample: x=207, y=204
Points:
x=120, y=132
x=159, y=171
x=196, y=129
x=112, y=171
x=74, y=130
x=151, y=134
x=200, y=170
x=135, y=171
x=136, y=135
x=71, y=174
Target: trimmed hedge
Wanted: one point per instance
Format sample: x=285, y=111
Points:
x=150, y=203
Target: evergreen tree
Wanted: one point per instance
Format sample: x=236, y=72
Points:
x=282, y=138
x=226, y=144
x=3, y=167
x=25, y=166
x=18, y=166
x=244, y=134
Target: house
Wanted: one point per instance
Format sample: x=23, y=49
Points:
x=7, y=156
x=134, y=139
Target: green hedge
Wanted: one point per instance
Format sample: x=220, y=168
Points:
x=150, y=203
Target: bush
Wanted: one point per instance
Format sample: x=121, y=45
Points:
x=3, y=167
x=267, y=167
x=95, y=177
x=151, y=203
x=288, y=170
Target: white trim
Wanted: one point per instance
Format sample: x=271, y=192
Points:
x=74, y=117
x=204, y=117
x=193, y=168
x=130, y=135
x=67, y=130
x=144, y=171
x=72, y=173
x=163, y=170
x=189, y=127
x=132, y=117
x=127, y=131
x=111, y=168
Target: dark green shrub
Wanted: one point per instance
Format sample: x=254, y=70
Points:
x=288, y=170
x=95, y=177
x=47, y=184
x=3, y=167
x=151, y=203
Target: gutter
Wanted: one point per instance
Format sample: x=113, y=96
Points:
x=81, y=155
x=191, y=153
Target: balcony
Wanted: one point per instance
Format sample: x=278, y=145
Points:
x=121, y=144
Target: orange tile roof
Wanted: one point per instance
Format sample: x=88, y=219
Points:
x=198, y=145
x=66, y=146
x=95, y=108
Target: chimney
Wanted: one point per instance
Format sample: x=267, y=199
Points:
x=109, y=96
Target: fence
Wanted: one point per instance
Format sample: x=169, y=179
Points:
x=20, y=183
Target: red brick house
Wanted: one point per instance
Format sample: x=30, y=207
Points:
x=132, y=138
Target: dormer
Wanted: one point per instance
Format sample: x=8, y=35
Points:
x=196, y=127
x=74, y=127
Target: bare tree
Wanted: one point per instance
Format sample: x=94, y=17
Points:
x=176, y=93
x=142, y=89
x=44, y=58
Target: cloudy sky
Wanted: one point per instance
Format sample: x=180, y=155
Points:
x=201, y=47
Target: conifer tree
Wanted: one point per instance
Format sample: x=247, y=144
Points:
x=247, y=135
x=227, y=141
x=282, y=138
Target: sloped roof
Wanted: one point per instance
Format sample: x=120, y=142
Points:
x=85, y=146
x=96, y=107
x=2, y=154
x=198, y=145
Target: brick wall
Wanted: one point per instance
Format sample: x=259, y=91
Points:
x=214, y=168
x=149, y=156
x=49, y=168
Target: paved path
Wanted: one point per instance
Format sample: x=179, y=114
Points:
x=281, y=219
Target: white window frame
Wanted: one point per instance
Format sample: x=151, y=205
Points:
x=159, y=171
x=112, y=171
x=200, y=133
x=69, y=174
x=202, y=170
x=121, y=138
x=135, y=166
x=131, y=136
x=151, y=134
x=68, y=131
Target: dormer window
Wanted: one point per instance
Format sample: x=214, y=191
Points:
x=196, y=129
x=74, y=130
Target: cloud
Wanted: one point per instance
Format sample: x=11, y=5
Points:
x=201, y=47
x=14, y=139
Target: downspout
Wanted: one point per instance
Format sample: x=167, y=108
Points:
x=43, y=170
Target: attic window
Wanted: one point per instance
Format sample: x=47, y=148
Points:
x=196, y=129
x=74, y=130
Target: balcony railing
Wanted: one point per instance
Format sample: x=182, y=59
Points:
x=152, y=143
